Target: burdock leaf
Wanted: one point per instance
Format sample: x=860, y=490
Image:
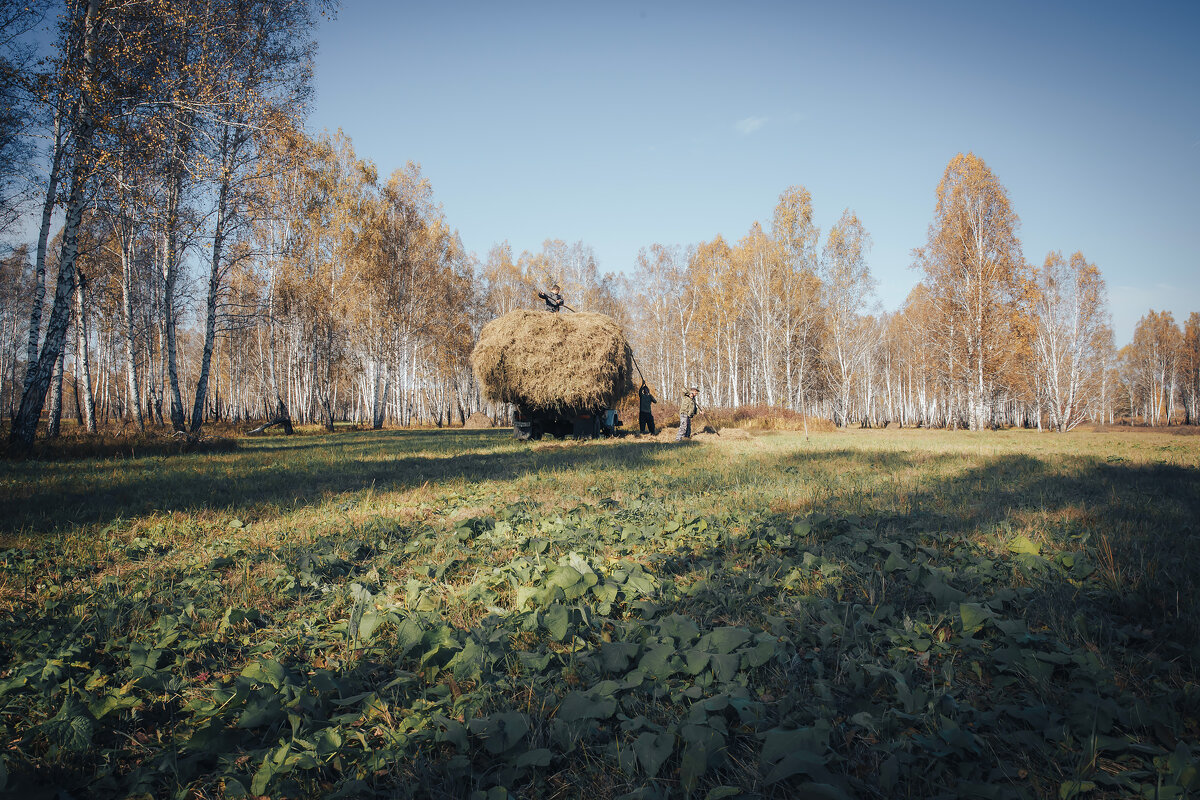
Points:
x=556, y=619
x=797, y=762
x=578, y=706
x=657, y=662
x=653, y=749
x=564, y=576
x=692, y=767
x=501, y=731
x=615, y=656
x=728, y=639
x=72, y=727
x=973, y=616
x=780, y=742
x=262, y=778
x=265, y=671
x=1023, y=544
x=408, y=635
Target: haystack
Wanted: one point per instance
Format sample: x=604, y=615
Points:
x=478, y=421
x=553, y=361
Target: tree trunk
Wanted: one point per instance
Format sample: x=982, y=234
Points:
x=281, y=410
x=54, y=423
x=75, y=395
x=39, y=285
x=83, y=371
x=24, y=425
x=380, y=399
x=170, y=272
x=127, y=335
x=214, y=284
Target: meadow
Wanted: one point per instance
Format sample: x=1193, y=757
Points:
x=863, y=613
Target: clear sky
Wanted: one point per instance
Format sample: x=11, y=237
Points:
x=623, y=124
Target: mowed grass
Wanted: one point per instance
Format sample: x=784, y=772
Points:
x=887, y=613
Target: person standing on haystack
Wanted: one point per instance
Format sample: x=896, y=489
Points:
x=645, y=413
x=554, y=300
x=687, y=409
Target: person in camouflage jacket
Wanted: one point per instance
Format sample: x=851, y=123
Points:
x=688, y=408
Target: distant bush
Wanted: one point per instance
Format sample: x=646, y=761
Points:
x=759, y=417
x=756, y=417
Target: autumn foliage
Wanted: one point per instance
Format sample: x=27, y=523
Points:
x=220, y=264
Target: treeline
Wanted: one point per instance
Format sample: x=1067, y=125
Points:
x=216, y=262
x=785, y=317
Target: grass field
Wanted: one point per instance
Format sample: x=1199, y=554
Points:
x=895, y=613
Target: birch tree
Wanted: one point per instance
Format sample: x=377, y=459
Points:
x=1189, y=369
x=659, y=304
x=799, y=292
x=505, y=287
x=15, y=283
x=760, y=264
x=260, y=58
x=974, y=267
x=847, y=286
x=1153, y=357
x=87, y=20
x=1072, y=336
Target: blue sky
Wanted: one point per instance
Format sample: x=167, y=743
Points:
x=622, y=124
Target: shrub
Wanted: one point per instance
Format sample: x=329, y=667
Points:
x=760, y=417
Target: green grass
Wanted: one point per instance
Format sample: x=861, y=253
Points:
x=896, y=613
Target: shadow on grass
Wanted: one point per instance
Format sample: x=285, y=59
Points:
x=432, y=437
x=43, y=496
x=1137, y=522
x=1094, y=493
x=946, y=714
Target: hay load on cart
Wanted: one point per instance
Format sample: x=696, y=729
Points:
x=562, y=372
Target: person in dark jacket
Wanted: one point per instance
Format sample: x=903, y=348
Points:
x=687, y=409
x=645, y=412
x=554, y=300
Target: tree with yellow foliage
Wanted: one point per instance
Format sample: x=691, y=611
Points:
x=760, y=262
x=664, y=305
x=1189, y=369
x=847, y=286
x=975, y=271
x=795, y=234
x=1152, y=367
x=505, y=288
x=1072, y=338
x=714, y=342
